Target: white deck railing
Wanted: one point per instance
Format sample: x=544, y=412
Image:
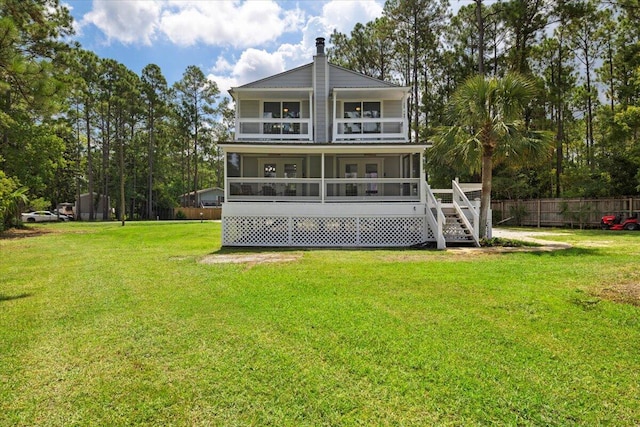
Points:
x=369, y=129
x=270, y=129
x=335, y=189
x=467, y=211
x=436, y=222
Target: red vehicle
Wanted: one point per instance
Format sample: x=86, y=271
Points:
x=617, y=222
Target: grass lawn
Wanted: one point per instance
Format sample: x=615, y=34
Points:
x=108, y=325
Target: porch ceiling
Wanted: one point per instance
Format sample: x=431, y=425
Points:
x=374, y=93
x=324, y=148
x=271, y=93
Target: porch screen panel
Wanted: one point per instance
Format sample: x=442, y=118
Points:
x=272, y=110
x=392, y=109
x=233, y=165
x=371, y=110
x=249, y=109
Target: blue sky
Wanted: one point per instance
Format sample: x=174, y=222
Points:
x=233, y=42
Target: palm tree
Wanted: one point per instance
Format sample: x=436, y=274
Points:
x=487, y=117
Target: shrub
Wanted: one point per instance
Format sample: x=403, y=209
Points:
x=181, y=215
x=12, y=198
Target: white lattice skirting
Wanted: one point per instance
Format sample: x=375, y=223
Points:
x=308, y=231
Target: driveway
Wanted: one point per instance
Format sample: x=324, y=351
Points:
x=532, y=236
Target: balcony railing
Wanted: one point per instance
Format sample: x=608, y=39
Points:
x=278, y=129
x=369, y=128
x=335, y=189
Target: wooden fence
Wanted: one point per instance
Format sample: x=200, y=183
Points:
x=198, y=213
x=574, y=213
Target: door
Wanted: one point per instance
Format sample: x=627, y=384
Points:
x=361, y=168
x=289, y=168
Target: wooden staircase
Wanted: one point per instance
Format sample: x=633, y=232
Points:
x=454, y=222
x=455, y=230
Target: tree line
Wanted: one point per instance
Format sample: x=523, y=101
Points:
x=71, y=122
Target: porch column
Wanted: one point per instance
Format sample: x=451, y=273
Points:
x=405, y=120
x=236, y=117
x=311, y=121
x=423, y=180
x=334, y=137
x=322, y=185
x=226, y=187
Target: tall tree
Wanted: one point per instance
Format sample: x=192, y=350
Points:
x=586, y=45
x=197, y=96
x=126, y=105
x=155, y=96
x=109, y=76
x=85, y=98
x=369, y=49
x=524, y=19
x=418, y=25
x=32, y=90
x=487, y=120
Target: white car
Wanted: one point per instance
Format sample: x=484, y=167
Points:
x=42, y=216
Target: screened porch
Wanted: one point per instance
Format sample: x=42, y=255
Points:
x=323, y=177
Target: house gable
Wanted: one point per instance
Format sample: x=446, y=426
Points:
x=300, y=77
x=341, y=77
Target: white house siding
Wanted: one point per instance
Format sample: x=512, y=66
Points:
x=298, y=77
x=345, y=78
x=321, y=121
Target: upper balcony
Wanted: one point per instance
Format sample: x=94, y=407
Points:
x=370, y=114
x=352, y=115
x=274, y=115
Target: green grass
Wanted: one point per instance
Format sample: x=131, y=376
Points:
x=109, y=325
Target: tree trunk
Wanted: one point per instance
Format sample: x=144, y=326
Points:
x=87, y=119
x=485, y=198
x=150, y=154
x=560, y=121
x=590, y=139
x=122, y=198
x=480, y=24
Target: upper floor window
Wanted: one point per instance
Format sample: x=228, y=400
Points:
x=281, y=110
x=278, y=110
x=356, y=110
x=362, y=110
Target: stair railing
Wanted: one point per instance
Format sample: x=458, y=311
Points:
x=466, y=209
x=436, y=224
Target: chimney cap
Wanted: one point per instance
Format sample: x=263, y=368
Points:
x=320, y=45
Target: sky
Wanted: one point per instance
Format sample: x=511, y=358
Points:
x=232, y=42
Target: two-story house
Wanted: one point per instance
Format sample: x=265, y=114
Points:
x=322, y=158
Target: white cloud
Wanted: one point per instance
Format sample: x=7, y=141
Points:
x=225, y=23
x=343, y=15
x=222, y=65
x=188, y=22
x=259, y=38
x=252, y=65
x=125, y=21
x=255, y=64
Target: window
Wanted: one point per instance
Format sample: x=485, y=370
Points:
x=269, y=170
x=281, y=110
x=362, y=110
x=361, y=168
